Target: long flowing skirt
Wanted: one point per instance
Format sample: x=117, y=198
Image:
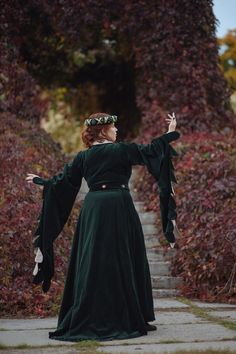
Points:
x=108, y=293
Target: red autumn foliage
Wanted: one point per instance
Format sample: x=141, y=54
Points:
x=205, y=197
x=27, y=149
x=171, y=45
x=173, y=51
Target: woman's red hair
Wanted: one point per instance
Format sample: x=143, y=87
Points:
x=91, y=132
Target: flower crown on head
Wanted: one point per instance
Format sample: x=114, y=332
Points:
x=100, y=120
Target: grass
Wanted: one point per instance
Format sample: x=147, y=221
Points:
x=207, y=351
x=203, y=313
x=19, y=346
x=3, y=346
x=84, y=346
x=26, y=346
x=170, y=341
x=90, y=347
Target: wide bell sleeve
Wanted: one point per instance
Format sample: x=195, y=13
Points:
x=157, y=157
x=59, y=194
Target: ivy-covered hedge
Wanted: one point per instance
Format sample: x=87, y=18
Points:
x=173, y=52
x=175, y=60
x=27, y=149
x=205, y=197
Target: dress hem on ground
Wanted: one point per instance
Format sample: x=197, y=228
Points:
x=79, y=338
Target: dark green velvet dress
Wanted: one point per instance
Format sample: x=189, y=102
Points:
x=108, y=292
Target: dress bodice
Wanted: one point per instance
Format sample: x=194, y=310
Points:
x=104, y=163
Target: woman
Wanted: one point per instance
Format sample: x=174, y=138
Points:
x=108, y=293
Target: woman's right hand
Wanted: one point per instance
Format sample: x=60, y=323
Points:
x=172, y=122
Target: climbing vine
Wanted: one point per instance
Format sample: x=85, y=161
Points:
x=173, y=50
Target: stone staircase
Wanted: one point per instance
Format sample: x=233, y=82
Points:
x=163, y=284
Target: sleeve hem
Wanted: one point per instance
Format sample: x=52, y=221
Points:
x=39, y=180
x=171, y=136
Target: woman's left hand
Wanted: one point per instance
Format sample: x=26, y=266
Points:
x=30, y=177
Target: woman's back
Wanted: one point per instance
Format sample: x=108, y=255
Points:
x=106, y=163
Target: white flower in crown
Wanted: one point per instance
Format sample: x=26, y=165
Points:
x=101, y=120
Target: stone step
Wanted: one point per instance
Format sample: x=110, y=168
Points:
x=157, y=293
x=151, y=237
x=153, y=252
x=135, y=196
x=147, y=217
x=135, y=174
x=82, y=194
x=149, y=229
x=164, y=285
x=165, y=282
x=150, y=243
x=155, y=258
x=84, y=187
x=132, y=187
x=159, y=268
x=139, y=206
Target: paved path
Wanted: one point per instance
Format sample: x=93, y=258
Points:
x=189, y=325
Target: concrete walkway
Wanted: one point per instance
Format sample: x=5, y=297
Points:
x=181, y=325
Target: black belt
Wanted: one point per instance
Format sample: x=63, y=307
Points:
x=104, y=186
